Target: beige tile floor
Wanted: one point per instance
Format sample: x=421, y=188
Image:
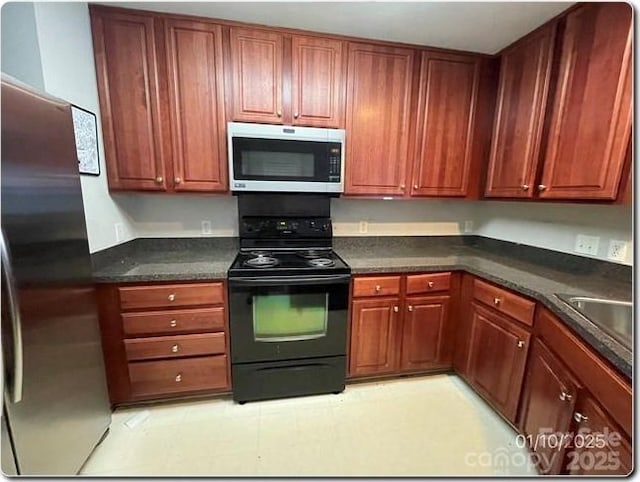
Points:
x=432, y=425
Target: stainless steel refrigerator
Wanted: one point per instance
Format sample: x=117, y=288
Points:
x=56, y=408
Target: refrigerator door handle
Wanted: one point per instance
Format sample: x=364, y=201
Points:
x=15, y=392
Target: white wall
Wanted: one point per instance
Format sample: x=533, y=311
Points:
x=19, y=46
x=555, y=226
x=64, y=39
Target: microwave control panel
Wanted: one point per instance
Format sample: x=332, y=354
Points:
x=334, y=159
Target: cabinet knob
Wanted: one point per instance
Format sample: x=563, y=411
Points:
x=525, y=187
x=395, y=309
x=171, y=297
x=378, y=288
x=415, y=186
x=402, y=186
x=173, y=323
x=177, y=180
x=295, y=115
x=175, y=348
x=159, y=180
x=578, y=417
x=279, y=114
x=497, y=301
x=564, y=396
x=410, y=308
x=430, y=284
x=541, y=187
x=520, y=343
x=179, y=377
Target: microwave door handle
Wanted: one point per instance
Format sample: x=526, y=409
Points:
x=15, y=392
x=291, y=280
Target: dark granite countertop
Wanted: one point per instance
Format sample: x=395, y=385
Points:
x=165, y=259
x=533, y=272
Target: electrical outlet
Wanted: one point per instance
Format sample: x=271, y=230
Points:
x=364, y=227
x=206, y=227
x=119, y=231
x=617, y=250
x=468, y=226
x=587, y=244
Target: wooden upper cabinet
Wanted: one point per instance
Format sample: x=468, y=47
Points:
x=196, y=104
x=425, y=333
x=592, y=109
x=374, y=331
x=130, y=105
x=548, y=399
x=496, y=359
x=525, y=70
x=256, y=69
x=317, y=81
x=378, y=118
x=447, y=105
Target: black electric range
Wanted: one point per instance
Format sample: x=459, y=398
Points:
x=288, y=300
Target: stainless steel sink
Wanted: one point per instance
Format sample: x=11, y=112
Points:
x=613, y=317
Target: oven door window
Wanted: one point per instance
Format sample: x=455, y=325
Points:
x=290, y=317
x=281, y=160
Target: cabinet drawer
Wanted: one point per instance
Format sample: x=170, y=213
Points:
x=428, y=283
x=376, y=286
x=175, y=346
x=515, y=306
x=173, y=321
x=161, y=296
x=175, y=376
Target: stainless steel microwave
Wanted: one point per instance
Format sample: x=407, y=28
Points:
x=284, y=158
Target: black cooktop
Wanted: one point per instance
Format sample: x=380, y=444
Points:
x=287, y=262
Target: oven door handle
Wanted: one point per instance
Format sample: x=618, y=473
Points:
x=291, y=280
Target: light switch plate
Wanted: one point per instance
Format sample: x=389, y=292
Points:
x=468, y=226
x=364, y=227
x=587, y=244
x=206, y=227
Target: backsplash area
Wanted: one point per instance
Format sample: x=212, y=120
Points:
x=550, y=226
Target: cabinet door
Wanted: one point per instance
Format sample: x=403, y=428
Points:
x=378, y=115
x=591, y=117
x=425, y=333
x=196, y=103
x=125, y=56
x=599, y=447
x=447, y=103
x=522, y=98
x=374, y=336
x=496, y=361
x=256, y=65
x=548, y=399
x=317, y=81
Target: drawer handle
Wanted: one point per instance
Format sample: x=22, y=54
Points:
x=497, y=301
x=430, y=284
x=172, y=297
x=395, y=309
x=378, y=288
x=410, y=308
x=179, y=377
x=564, y=396
x=520, y=343
x=173, y=323
x=175, y=348
x=578, y=417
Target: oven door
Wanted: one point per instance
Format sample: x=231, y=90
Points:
x=282, y=318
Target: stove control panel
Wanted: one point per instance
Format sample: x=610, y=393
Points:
x=285, y=227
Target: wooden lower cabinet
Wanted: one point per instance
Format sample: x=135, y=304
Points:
x=425, y=333
x=374, y=336
x=548, y=400
x=599, y=447
x=392, y=334
x=164, y=339
x=496, y=359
